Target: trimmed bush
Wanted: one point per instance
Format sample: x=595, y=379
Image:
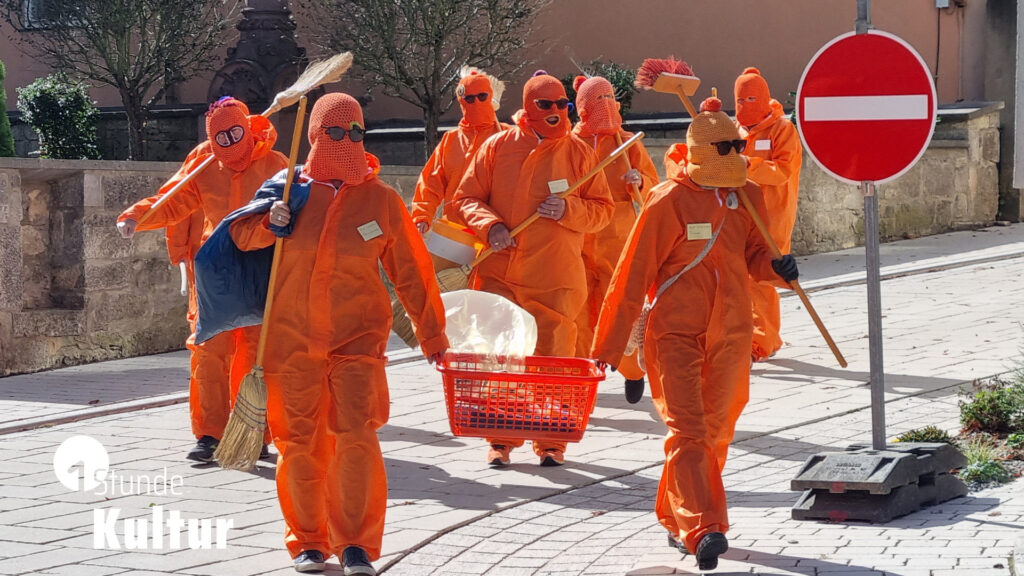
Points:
x=982, y=463
x=926, y=434
x=6, y=139
x=62, y=114
x=997, y=408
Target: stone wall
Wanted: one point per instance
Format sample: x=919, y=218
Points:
x=72, y=291
x=954, y=186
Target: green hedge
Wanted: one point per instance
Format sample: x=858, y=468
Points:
x=62, y=114
x=6, y=139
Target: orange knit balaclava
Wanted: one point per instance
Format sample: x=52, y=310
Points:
x=227, y=128
x=549, y=123
x=705, y=164
x=751, y=84
x=331, y=159
x=595, y=101
x=480, y=112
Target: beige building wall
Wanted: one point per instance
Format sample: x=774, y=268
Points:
x=717, y=37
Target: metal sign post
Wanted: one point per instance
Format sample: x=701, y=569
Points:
x=874, y=287
x=867, y=111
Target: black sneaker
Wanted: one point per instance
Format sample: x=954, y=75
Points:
x=634, y=390
x=204, y=449
x=710, y=547
x=354, y=561
x=265, y=452
x=310, y=561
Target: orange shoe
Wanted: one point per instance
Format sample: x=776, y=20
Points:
x=552, y=457
x=498, y=456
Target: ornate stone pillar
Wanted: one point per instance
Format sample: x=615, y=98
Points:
x=267, y=58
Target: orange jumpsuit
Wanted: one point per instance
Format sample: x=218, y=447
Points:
x=601, y=250
x=443, y=171
x=544, y=272
x=775, y=153
x=697, y=341
x=324, y=362
x=183, y=241
x=221, y=362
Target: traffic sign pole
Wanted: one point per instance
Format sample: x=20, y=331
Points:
x=873, y=265
x=874, y=287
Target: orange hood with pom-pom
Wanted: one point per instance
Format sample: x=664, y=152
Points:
x=706, y=165
x=753, y=99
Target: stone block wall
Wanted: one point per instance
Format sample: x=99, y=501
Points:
x=954, y=186
x=72, y=290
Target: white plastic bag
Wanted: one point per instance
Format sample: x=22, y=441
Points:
x=485, y=323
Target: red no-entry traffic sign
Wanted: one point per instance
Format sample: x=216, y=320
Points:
x=866, y=106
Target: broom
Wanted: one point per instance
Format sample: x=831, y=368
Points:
x=535, y=216
x=316, y=74
x=638, y=200
x=240, y=447
x=676, y=77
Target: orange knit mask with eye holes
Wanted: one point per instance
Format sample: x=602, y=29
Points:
x=595, y=101
x=705, y=165
x=549, y=123
x=330, y=159
x=752, y=84
x=227, y=128
x=479, y=113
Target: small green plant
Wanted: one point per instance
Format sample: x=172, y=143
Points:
x=996, y=407
x=62, y=114
x=1015, y=440
x=926, y=434
x=622, y=79
x=982, y=463
x=6, y=139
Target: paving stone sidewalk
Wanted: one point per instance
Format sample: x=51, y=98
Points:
x=941, y=329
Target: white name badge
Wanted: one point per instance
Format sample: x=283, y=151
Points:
x=698, y=231
x=762, y=144
x=558, y=186
x=370, y=230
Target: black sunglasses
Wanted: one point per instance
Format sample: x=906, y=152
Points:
x=470, y=98
x=355, y=133
x=725, y=145
x=543, y=104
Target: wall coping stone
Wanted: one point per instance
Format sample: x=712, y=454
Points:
x=52, y=169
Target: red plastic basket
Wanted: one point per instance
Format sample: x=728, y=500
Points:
x=545, y=398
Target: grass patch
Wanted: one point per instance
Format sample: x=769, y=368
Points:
x=982, y=462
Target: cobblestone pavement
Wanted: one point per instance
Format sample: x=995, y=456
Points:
x=449, y=513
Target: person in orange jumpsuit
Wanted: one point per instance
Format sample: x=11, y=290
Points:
x=243, y=148
x=600, y=126
x=516, y=174
x=773, y=156
x=479, y=95
x=327, y=336
x=183, y=241
x=691, y=252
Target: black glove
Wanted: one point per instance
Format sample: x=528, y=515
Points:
x=785, y=267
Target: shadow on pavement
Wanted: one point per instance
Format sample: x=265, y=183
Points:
x=790, y=370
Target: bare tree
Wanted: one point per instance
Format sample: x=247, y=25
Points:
x=140, y=47
x=413, y=49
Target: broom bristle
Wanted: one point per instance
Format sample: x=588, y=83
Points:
x=240, y=447
x=452, y=279
x=316, y=74
x=651, y=68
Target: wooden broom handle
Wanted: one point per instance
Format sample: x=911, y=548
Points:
x=593, y=172
x=293, y=156
x=774, y=248
x=629, y=166
x=686, y=102
x=181, y=184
